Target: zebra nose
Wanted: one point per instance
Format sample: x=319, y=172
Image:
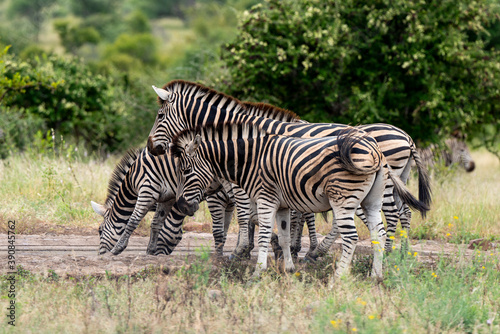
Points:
x=470, y=166
x=187, y=208
x=155, y=148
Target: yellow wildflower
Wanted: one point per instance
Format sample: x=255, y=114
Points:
x=371, y=317
x=297, y=274
x=450, y=225
x=393, y=247
x=392, y=237
x=415, y=254
x=448, y=234
x=334, y=323
x=455, y=217
x=375, y=242
x=354, y=329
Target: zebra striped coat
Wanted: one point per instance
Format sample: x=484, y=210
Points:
x=279, y=172
x=186, y=105
x=455, y=151
x=138, y=183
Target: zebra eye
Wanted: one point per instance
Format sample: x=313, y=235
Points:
x=187, y=171
x=161, y=117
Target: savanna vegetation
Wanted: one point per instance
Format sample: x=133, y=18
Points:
x=75, y=93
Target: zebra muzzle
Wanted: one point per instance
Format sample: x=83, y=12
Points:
x=155, y=148
x=186, y=207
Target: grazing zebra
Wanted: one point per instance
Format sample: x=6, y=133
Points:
x=454, y=152
x=185, y=105
x=138, y=183
x=279, y=172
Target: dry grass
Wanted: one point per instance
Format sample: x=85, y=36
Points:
x=56, y=191
x=209, y=297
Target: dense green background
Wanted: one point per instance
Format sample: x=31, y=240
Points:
x=84, y=68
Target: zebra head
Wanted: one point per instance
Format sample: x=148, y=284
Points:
x=105, y=231
x=195, y=175
x=459, y=153
x=167, y=121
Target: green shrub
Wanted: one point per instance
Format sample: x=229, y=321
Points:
x=413, y=64
x=64, y=95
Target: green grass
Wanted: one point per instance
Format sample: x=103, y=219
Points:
x=449, y=296
x=57, y=190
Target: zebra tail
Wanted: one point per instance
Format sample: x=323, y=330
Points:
x=405, y=195
x=424, y=184
x=358, y=152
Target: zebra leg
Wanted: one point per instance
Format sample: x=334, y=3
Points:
x=267, y=213
x=296, y=228
x=243, y=207
x=162, y=210
x=217, y=207
x=405, y=217
x=141, y=209
x=171, y=232
x=391, y=214
x=344, y=219
x=310, y=220
x=283, y=219
x=325, y=244
x=372, y=206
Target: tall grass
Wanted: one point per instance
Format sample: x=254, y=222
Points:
x=56, y=189
x=451, y=296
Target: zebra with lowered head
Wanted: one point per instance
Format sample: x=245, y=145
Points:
x=140, y=182
x=279, y=172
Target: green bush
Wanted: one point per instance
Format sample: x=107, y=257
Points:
x=413, y=64
x=142, y=47
x=61, y=94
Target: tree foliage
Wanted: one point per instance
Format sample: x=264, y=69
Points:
x=420, y=65
x=61, y=94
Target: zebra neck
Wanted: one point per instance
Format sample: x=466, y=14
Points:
x=124, y=202
x=236, y=160
x=209, y=111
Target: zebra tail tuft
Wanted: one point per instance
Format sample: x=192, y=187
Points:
x=406, y=196
x=424, y=184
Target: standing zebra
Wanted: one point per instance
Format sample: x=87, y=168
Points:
x=185, y=105
x=138, y=183
x=454, y=152
x=279, y=172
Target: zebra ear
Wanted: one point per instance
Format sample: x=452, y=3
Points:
x=162, y=93
x=98, y=208
x=193, y=146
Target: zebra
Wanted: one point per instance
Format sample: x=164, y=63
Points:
x=138, y=183
x=455, y=151
x=186, y=105
x=280, y=172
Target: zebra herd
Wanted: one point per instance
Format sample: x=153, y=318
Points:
x=271, y=166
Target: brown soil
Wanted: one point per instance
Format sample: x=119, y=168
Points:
x=76, y=255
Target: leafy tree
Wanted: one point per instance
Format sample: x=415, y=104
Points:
x=141, y=47
x=85, y=8
x=419, y=65
x=73, y=36
x=62, y=94
x=33, y=10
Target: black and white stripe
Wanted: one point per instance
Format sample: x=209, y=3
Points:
x=141, y=182
x=187, y=105
x=280, y=172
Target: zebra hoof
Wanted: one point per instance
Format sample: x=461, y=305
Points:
x=309, y=258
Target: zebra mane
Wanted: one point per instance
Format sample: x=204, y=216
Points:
x=224, y=131
x=269, y=111
x=198, y=90
x=250, y=108
x=119, y=174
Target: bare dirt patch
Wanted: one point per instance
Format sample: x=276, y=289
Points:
x=76, y=255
